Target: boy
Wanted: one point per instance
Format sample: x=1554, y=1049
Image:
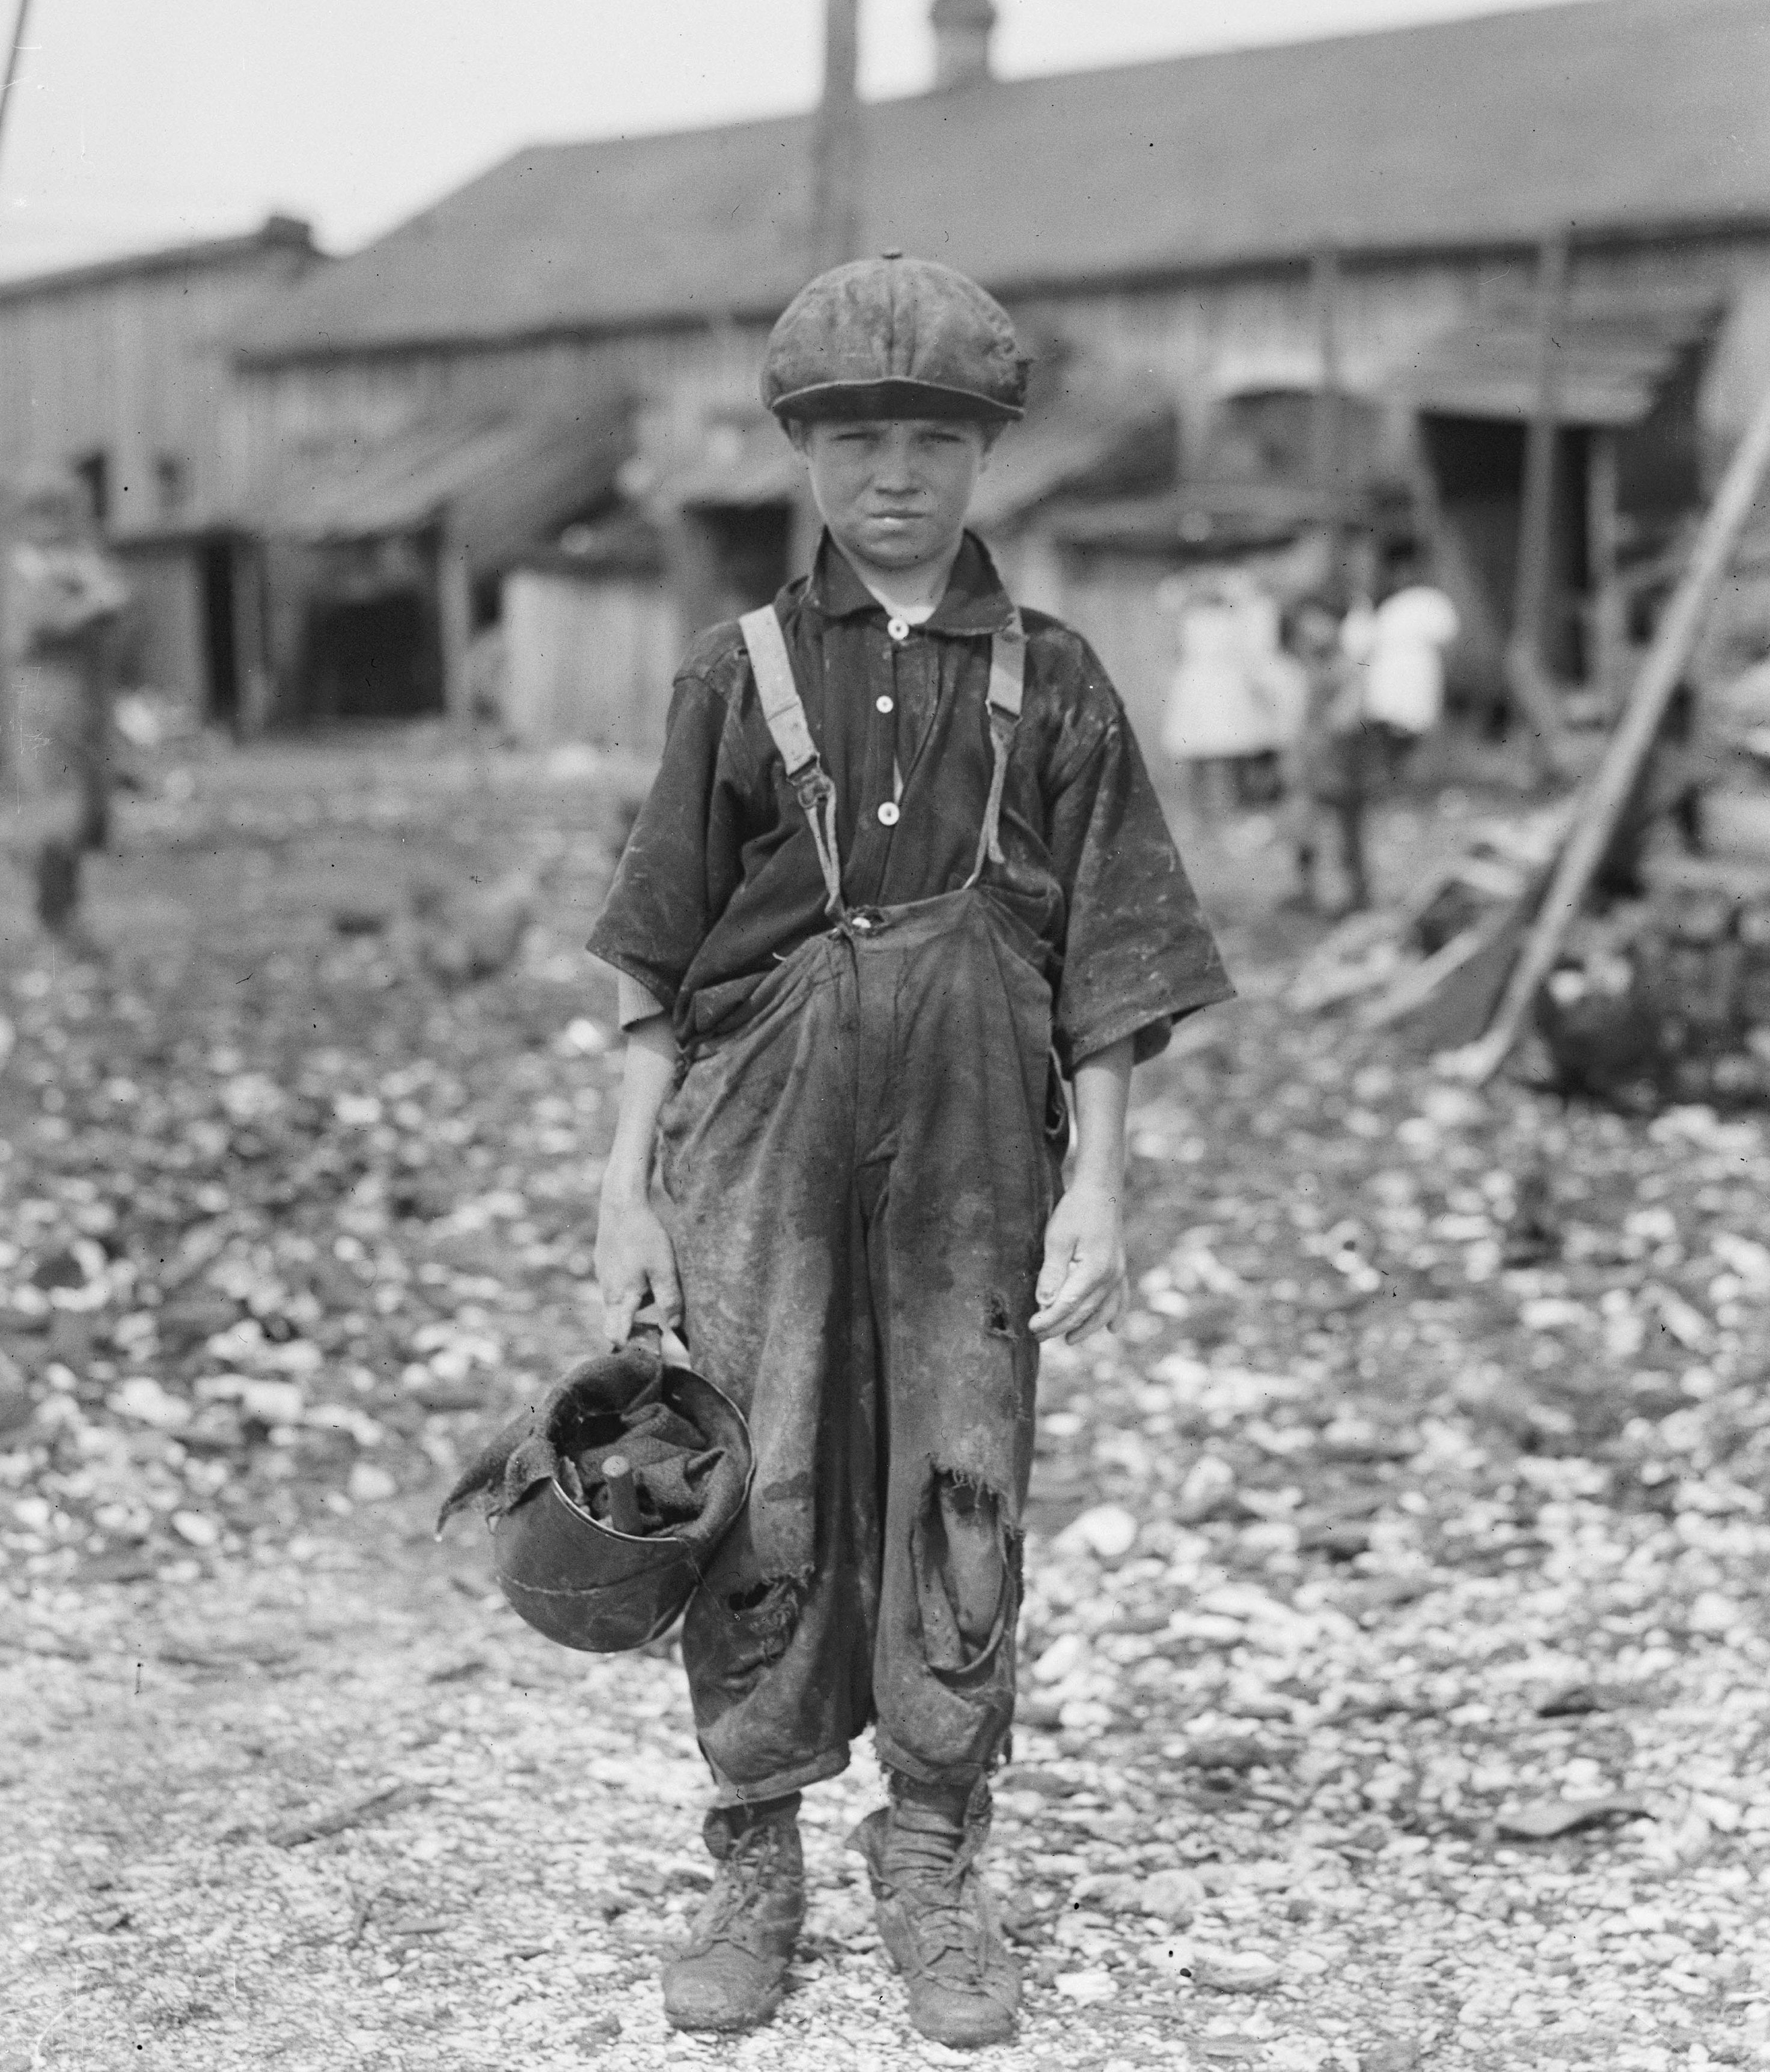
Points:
x=902, y=851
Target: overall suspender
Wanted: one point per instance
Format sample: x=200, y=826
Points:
x=812, y=785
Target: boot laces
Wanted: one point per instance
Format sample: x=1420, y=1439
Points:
x=936, y=1864
x=745, y=1869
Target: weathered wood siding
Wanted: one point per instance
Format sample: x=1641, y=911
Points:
x=170, y=645
x=1204, y=340
x=589, y=659
x=136, y=366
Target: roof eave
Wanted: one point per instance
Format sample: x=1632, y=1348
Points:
x=1032, y=287
x=279, y=236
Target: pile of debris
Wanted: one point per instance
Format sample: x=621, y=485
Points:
x=1666, y=994
x=1664, y=1000
x=1452, y=942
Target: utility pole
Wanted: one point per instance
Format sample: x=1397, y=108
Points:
x=15, y=60
x=835, y=141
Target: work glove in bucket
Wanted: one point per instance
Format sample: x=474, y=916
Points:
x=561, y=1560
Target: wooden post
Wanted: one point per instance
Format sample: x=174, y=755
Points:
x=1533, y=693
x=1630, y=746
x=8, y=757
x=1324, y=416
x=835, y=141
x=1602, y=553
x=251, y=640
x=454, y=624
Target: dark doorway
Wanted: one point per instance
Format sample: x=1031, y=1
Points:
x=220, y=651
x=373, y=658
x=1477, y=467
x=93, y=470
x=732, y=557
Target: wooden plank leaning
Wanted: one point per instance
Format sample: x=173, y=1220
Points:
x=1611, y=783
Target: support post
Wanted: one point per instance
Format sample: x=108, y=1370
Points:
x=1630, y=746
x=1602, y=548
x=835, y=141
x=1533, y=693
x=251, y=640
x=8, y=756
x=1324, y=416
x=454, y=622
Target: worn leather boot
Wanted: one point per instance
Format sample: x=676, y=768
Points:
x=935, y=1918
x=732, y=1972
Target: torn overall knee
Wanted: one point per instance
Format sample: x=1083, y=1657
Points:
x=964, y=1554
x=756, y=1621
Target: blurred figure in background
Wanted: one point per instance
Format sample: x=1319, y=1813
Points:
x=1399, y=642
x=1231, y=698
x=64, y=599
x=1327, y=766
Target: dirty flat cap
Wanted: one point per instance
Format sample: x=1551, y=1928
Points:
x=894, y=337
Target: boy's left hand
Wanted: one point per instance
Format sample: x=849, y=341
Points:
x=1081, y=1285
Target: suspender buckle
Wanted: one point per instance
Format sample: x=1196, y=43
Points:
x=812, y=786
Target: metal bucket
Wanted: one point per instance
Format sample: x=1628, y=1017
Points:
x=580, y=1581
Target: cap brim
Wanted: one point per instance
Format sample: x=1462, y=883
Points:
x=895, y=398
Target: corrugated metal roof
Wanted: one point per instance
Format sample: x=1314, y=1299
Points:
x=1611, y=361
x=1606, y=114
x=501, y=483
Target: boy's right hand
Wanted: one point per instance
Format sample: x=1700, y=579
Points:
x=635, y=1263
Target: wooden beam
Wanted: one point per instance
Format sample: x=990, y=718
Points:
x=1533, y=693
x=835, y=141
x=8, y=730
x=1603, y=552
x=1614, y=780
x=454, y=624
x=1324, y=457
x=253, y=682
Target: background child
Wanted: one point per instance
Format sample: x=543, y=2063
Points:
x=1327, y=779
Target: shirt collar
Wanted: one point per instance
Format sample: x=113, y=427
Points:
x=974, y=603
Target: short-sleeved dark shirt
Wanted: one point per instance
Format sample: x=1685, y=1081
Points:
x=720, y=880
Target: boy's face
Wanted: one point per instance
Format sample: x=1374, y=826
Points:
x=894, y=491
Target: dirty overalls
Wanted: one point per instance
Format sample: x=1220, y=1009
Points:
x=860, y=1179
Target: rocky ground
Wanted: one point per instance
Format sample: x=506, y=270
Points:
x=1396, y=1646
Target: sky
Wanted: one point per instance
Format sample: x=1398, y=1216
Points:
x=139, y=123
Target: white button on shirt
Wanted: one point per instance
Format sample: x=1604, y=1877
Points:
x=888, y=814
x=897, y=628
x=884, y=705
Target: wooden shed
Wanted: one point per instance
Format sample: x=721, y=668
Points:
x=122, y=372
x=1245, y=230
x=380, y=564
x=592, y=635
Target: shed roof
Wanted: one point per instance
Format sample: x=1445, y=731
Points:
x=1200, y=521
x=276, y=234
x=501, y=483
x=1610, y=115
x=1610, y=360
x=1080, y=436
